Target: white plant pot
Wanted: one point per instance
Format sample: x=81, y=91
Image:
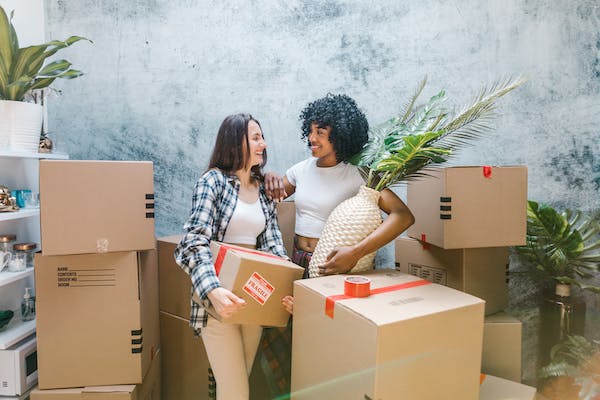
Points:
x=20, y=125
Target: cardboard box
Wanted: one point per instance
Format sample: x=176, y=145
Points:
x=286, y=219
x=466, y=207
x=184, y=361
x=481, y=272
x=175, y=285
x=262, y=279
x=389, y=345
x=149, y=389
x=494, y=388
x=96, y=206
x=502, y=347
x=97, y=318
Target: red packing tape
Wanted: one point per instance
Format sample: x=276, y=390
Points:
x=487, y=171
x=223, y=251
x=357, y=286
x=331, y=300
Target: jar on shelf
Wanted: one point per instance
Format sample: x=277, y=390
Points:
x=28, y=249
x=6, y=249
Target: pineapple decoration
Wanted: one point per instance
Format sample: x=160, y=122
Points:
x=397, y=151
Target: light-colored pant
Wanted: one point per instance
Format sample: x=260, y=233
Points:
x=231, y=349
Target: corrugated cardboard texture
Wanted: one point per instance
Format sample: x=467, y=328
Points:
x=286, y=218
x=175, y=285
x=148, y=390
x=502, y=347
x=483, y=211
x=480, y=272
x=494, y=388
x=237, y=268
x=96, y=206
x=386, y=346
x=89, y=308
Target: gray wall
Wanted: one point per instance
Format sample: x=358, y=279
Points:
x=161, y=75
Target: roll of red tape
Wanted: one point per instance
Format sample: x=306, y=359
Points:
x=357, y=286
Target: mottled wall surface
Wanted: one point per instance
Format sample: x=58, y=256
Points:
x=161, y=75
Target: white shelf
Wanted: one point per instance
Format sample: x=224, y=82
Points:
x=20, y=214
x=9, y=277
x=25, y=154
x=16, y=331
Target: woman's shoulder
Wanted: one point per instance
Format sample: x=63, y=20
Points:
x=308, y=163
x=214, y=174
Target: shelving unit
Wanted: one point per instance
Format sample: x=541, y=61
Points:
x=19, y=170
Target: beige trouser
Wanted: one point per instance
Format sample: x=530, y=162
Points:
x=231, y=349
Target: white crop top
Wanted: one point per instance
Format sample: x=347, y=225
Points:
x=318, y=191
x=247, y=222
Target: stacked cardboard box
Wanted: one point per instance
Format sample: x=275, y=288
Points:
x=465, y=219
x=97, y=281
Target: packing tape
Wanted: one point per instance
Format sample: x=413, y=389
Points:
x=223, y=251
x=487, y=171
x=357, y=286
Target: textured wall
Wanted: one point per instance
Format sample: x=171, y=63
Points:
x=161, y=75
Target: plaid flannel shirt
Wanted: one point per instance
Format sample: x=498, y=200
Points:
x=213, y=203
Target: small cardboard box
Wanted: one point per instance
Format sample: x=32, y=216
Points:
x=466, y=207
x=97, y=318
x=260, y=278
x=96, y=206
x=184, y=361
x=175, y=285
x=149, y=389
x=481, y=272
x=502, y=347
x=494, y=388
x=388, y=345
x=286, y=219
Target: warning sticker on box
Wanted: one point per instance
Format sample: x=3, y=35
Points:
x=258, y=288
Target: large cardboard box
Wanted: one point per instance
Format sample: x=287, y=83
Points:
x=286, y=219
x=502, y=347
x=261, y=279
x=184, y=361
x=97, y=318
x=481, y=272
x=494, y=388
x=465, y=207
x=96, y=206
x=410, y=339
x=175, y=285
x=149, y=389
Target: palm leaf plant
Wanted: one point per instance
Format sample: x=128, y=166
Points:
x=22, y=69
x=399, y=150
x=562, y=247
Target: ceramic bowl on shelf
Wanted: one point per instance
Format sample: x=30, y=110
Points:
x=5, y=317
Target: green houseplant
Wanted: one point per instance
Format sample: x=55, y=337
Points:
x=398, y=150
x=561, y=251
x=23, y=69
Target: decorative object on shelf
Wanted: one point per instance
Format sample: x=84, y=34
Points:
x=398, y=150
x=46, y=144
x=7, y=202
x=21, y=71
x=574, y=370
x=28, y=249
x=562, y=251
x=5, y=317
x=28, y=306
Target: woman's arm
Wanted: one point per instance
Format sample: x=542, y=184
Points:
x=342, y=259
x=277, y=187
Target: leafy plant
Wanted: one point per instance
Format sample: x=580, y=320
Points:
x=562, y=247
x=425, y=135
x=22, y=69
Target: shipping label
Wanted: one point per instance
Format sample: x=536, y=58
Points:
x=258, y=288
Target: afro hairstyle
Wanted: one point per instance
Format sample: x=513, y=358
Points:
x=349, y=126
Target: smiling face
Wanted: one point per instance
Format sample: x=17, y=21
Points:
x=320, y=146
x=257, y=145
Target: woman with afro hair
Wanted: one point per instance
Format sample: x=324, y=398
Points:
x=335, y=130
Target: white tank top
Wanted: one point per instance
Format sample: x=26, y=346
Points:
x=247, y=222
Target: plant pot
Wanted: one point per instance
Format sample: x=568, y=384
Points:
x=20, y=125
x=349, y=223
x=560, y=315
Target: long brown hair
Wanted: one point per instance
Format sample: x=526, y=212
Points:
x=228, y=153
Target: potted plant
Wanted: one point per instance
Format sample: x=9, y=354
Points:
x=22, y=70
x=398, y=150
x=561, y=252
